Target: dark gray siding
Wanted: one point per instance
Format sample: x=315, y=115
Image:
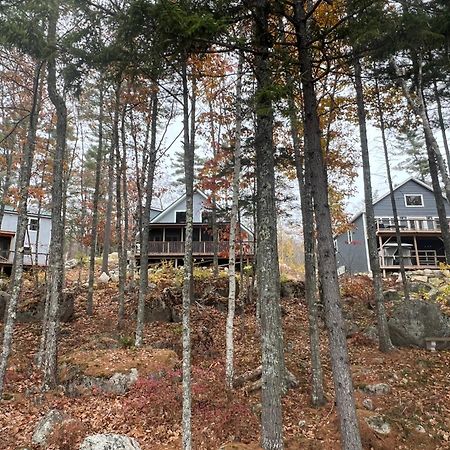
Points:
x=383, y=207
x=352, y=255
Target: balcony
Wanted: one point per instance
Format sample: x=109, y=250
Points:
x=413, y=260
x=411, y=225
x=199, y=248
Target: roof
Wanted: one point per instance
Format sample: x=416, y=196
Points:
x=419, y=182
x=31, y=212
x=180, y=199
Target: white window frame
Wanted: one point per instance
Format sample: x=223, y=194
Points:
x=413, y=195
x=336, y=248
x=29, y=223
x=349, y=236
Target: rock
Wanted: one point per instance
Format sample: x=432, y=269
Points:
x=103, y=278
x=4, y=283
x=377, y=389
x=34, y=311
x=392, y=295
x=350, y=328
x=118, y=383
x=71, y=263
x=46, y=426
x=446, y=273
x=109, y=442
x=368, y=404
x=158, y=311
x=413, y=321
x=429, y=272
x=292, y=289
x=4, y=299
x=371, y=333
x=420, y=429
x=436, y=282
x=419, y=278
x=378, y=424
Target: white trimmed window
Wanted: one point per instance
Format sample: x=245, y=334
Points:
x=349, y=236
x=33, y=224
x=413, y=200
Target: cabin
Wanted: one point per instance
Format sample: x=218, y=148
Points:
x=422, y=245
x=167, y=234
x=37, y=239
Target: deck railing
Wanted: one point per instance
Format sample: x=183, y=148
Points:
x=198, y=247
x=386, y=224
x=421, y=258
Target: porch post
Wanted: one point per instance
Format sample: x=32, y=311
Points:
x=417, y=252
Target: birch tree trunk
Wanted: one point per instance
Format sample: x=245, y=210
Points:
x=22, y=224
x=350, y=436
x=229, y=363
x=398, y=236
x=188, y=144
x=307, y=207
x=56, y=244
x=98, y=169
x=385, y=344
x=268, y=274
x=145, y=220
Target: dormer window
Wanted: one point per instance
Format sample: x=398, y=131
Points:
x=413, y=200
x=180, y=217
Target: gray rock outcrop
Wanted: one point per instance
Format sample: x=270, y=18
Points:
x=413, y=321
x=109, y=442
x=46, y=426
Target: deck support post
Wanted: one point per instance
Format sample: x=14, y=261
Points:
x=417, y=252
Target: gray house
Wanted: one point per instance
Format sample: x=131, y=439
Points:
x=167, y=233
x=37, y=239
x=419, y=226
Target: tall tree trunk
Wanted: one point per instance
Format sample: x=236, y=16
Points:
x=350, y=436
x=188, y=145
x=307, y=207
x=398, y=235
x=109, y=210
x=126, y=217
x=56, y=243
x=229, y=364
x=22, y=224
x=441, y=121
x=385, y=344
x=145, y=231
x=94, y=231
x=6, y=184
x=268, y=274
x=115, y=147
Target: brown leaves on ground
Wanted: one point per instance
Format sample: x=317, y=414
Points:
x=417, y=408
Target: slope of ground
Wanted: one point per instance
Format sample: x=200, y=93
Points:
x=417, y=407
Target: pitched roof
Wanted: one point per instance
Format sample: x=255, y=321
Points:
x=419, y=182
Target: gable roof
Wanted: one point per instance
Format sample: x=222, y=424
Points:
x=415, y=180
x=175, y=203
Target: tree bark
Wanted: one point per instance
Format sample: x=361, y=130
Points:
x=385, y=344
x=57, y=239
x=350, y=436
x=188, y=145
x=268, y=275
x=229, y=364
x=115, y=147
x=22, y=224
x=145, y=220
x=98, y=168
x=307, y=207
x=398, y=236
x=441, y=121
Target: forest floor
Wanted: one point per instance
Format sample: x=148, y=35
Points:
x=417, y=408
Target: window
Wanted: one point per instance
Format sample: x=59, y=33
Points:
x=414, y=200
x=180, y=217
x=349, y=236
x=335, y=242
x=206, y=216
x=33, y=224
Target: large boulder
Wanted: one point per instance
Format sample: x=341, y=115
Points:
x=412, y=321
x=157, y=310
x=109, y=442
x=46, y=426
x=112, y=370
